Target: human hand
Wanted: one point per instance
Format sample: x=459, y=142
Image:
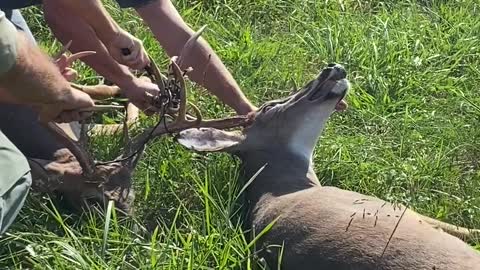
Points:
x=135, y=57
x=64, y=61
x=68, y=109
x=139, y=91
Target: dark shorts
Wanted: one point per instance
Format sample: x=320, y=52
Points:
x=133, y=3
x=17, y=4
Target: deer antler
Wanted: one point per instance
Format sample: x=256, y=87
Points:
x=189, y=45
x=99, y=92
x=183, y=121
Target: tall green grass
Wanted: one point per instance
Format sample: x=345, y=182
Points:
x=411, y=134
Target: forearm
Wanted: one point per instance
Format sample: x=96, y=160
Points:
x=84, y=38
x=34, y=79
x=95, y=14
x=172, y=33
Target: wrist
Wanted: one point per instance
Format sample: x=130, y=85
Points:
x=126, y=82
x=108, y=33
x=64, y=96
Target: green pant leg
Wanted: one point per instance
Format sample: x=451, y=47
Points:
x=15, y=181
x=12, y=202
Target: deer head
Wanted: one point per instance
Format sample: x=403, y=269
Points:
x=292, y=124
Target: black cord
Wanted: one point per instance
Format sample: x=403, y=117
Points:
x=149, y=137
x=165, y=104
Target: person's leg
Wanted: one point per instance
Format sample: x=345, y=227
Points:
x=17, y=19
x=15, y=181
x=20, y=124
x=172, y=33
x=12, y=201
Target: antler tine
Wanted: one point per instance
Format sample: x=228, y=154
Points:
x=86, y=162
x=224, y=123
x=189, y=45
x=63, y=50
x=182, y=120
x=182, y=112
x=131, y=117
x=100, y=91
x=157, y=76
x=74, y=57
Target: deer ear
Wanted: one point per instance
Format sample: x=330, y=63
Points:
x=209, y=139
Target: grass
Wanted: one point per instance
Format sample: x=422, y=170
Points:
x=411, y=134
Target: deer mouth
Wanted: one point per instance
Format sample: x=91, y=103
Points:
x=330, y=84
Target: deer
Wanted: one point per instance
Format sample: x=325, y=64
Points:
x=321, y=227
x=299, y=224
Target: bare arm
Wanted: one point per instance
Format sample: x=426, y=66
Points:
x=96, y=15
x=33, y=70
x=172, y=33
x=108, y=31
x=84, y=38
x=32, y=79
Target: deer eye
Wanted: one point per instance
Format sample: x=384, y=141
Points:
x=267, y=107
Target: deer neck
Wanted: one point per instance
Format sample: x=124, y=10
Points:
x=283, y=173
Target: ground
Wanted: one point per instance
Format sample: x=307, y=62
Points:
x=410, y=135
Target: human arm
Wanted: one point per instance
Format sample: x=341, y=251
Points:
x=84, y=38
x=172, y=33
x=108, y=31
x=27, y=76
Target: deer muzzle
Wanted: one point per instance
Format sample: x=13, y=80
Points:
x=330, y=84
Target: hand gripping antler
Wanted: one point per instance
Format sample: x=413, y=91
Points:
x=182, y=120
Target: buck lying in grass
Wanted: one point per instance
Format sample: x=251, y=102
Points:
x=315, y=227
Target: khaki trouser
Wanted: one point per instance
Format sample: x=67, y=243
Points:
x=15, y=181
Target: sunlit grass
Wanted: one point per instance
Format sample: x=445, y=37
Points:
x=411, y=133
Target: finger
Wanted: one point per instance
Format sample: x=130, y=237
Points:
x=85, y=115
x=59, y=119
x=61, y=62
x=74, y=57
x=137, y=64
x=64, y=117
x=73, y=116
x=47, y=114
x=70, y=74
x=145, y=58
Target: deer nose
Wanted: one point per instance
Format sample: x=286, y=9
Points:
x=337, y=71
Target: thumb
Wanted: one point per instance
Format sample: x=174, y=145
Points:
x=46, y=115
x=62, y=62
